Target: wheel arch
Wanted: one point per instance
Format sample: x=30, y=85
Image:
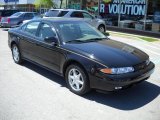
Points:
x=12, y=43
x=101, y=24
x=70, y=62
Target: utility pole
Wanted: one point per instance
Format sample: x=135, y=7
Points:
x=145, y=16
x=15, y=4
x=119, y=13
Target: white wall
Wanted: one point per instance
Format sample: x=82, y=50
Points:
x=26, y=2
x=19, y=2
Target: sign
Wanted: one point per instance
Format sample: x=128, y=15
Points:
x=156, y=17
x=128, y=7
x=74, y=6
x=6, y=1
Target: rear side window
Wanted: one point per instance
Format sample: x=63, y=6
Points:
x=16, y=14
x=62, y=13
x=31, y=28
x=77, y=15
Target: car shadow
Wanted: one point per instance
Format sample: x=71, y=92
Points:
x=46, y=73
x=129, y=99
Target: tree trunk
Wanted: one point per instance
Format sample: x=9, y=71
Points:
x=61, y=3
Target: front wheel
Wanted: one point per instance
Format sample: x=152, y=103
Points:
x=77, y=80
x=101, y=28
x=16, y=54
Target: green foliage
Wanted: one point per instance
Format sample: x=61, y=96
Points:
x=44, y=3
x=148, y=39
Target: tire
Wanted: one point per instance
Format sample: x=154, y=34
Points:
x=101, y=28
x=77, y=80
x=16, y=54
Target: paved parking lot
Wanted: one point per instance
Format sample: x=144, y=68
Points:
x=28, y=92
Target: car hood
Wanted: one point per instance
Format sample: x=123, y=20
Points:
x=109, y=52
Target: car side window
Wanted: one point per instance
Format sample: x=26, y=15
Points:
x=31, y=28
x=62, y=13
x=77, y=15
x=86, y=15
x=28, y=16
x=46, y=32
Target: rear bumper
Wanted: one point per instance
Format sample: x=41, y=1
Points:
x=115, y=82
x=5, y=24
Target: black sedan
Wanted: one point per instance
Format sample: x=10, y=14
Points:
x=85, y=57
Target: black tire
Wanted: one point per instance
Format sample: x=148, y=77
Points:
x=101, y=28
x=85, y=87
x=19, y=59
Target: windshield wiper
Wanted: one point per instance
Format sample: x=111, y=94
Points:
x=95, y=39
x=75, y=41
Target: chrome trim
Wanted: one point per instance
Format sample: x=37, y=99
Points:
x=68, y=51
x=83, y=56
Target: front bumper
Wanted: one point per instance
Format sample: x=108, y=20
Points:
x=114, y=82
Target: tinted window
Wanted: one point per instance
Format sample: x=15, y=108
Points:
x=31, y=27
x=77, y=14
x=46, y=31
x=62, y=13
x=28, y=15
x=52, y=13
x=7, y=12
x=77, y=31
x=16, y=14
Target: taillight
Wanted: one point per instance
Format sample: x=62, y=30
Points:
x=8, y=20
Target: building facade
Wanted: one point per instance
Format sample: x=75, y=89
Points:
x=130, y=14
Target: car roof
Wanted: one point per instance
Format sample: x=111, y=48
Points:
x=58, y=19
x=27, y=12
x=68, y=10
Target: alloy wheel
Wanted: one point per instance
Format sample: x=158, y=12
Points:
x=75, y=79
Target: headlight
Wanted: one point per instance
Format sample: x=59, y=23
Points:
x=117, y=70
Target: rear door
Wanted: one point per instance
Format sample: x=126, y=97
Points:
x=27, y=39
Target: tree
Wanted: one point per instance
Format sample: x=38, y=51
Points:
x=61, y=3
x=44, y=3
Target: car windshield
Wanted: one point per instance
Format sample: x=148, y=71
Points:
x=78, y=31
x=16, y=14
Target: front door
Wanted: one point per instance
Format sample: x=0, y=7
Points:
x=48, y=55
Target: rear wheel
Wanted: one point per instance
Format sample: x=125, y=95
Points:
x=16, y=54
x=77, y=79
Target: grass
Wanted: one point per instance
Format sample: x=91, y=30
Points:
x=148, y=39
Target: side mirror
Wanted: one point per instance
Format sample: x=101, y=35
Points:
x=51, y=40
